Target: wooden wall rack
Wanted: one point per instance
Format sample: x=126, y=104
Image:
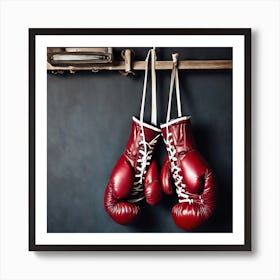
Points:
x=128, y=65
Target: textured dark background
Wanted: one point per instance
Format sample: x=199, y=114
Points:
x=89, y=121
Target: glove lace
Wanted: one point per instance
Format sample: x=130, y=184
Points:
x=175, y=169
x=144, y=160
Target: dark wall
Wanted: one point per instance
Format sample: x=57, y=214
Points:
x=89, y=121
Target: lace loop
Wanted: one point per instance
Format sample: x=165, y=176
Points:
x=174, y=76
x=152, y=53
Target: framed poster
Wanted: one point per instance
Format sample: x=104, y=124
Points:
x=80, y=122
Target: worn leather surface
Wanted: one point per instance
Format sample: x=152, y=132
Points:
x=152, y=187
x=120, y=185
x=197, y=177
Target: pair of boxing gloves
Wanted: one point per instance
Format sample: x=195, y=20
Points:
x=135, y=176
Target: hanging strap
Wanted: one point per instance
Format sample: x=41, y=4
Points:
x=154, y=88
x=174, y=76
x=151, y=52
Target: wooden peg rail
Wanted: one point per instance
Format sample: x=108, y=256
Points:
x=160, y=65
x=128, y=65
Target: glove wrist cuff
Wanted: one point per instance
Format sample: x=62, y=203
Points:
x=154, y=128
x=175, y=121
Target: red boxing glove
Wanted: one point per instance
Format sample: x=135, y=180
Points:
x=135, y=175
x=193, y=178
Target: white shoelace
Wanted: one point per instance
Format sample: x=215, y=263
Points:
x=176, y=170
x=142, y=165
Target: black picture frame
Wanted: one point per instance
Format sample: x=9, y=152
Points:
x=246, y=33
